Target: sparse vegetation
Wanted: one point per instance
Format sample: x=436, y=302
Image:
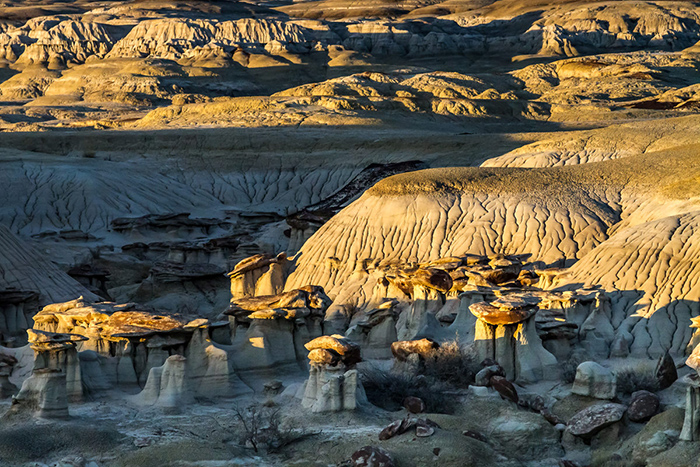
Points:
x=263, y=429
x=636, y=378
x=568, y=367
x=452, y=364
x=389, y=389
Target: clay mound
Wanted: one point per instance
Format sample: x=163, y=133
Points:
x=23, y=268
x=172, y=38
x=559, y=214
x=54, y=41
x=613, y=142
x=652, y=274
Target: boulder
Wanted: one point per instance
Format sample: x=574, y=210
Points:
x=505, y=388
x=423, y=347
x=414, y=404
x=590, y=421
x=483, y=377
x=371, y=456
x=666, y=372
x=594, y=380
x=643, y=406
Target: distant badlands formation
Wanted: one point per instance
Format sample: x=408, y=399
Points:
x=147, y=151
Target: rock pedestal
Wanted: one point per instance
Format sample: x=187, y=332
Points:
x=691, y=423
x=258, y=275
x=7, y=389
x=505, y=331
x=333, y=383
x=57, y=351
x=167, y=386
x=45, y=393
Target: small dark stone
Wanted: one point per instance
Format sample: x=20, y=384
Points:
x=567, y=463
x=551, y=417
x=489, y=362
x=424, y=429
x=643, y=406
x=505, y=388
x=414, y=404
x=390, y=430
x=372, y=456
x=475, y=435
x=666, y=372
x=537, y=403
x=436, y=451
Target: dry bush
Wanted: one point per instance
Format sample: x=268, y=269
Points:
x=452, y=364
x=389, y=389
x=636, y=378
x=263, y=430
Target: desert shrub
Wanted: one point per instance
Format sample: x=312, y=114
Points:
x=451, y=364
x=636, y=378
x=263, y=430
x=568, y=367
x=388, y=389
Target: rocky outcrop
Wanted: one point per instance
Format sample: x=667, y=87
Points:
x=57, y=351
x=54, y=42
x=29, y=280
x=44, y=394
x=270, y=330
x=333, y=383
x=505, y=331
x=167, y=386
x=258, y=275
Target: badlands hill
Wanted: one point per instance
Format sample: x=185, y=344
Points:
x=250, y=197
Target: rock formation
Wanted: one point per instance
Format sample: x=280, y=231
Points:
x=57, y=351
x=333, y=383
x=44, y=393
x=506, y=332
x=593, y=380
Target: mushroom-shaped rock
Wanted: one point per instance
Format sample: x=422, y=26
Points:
x=7, y=363
x=348, y=351
x=590, y=421
x=594, y=380
x=506, y=332
x=504, y=311
x=58, y=351
x=331, y=387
